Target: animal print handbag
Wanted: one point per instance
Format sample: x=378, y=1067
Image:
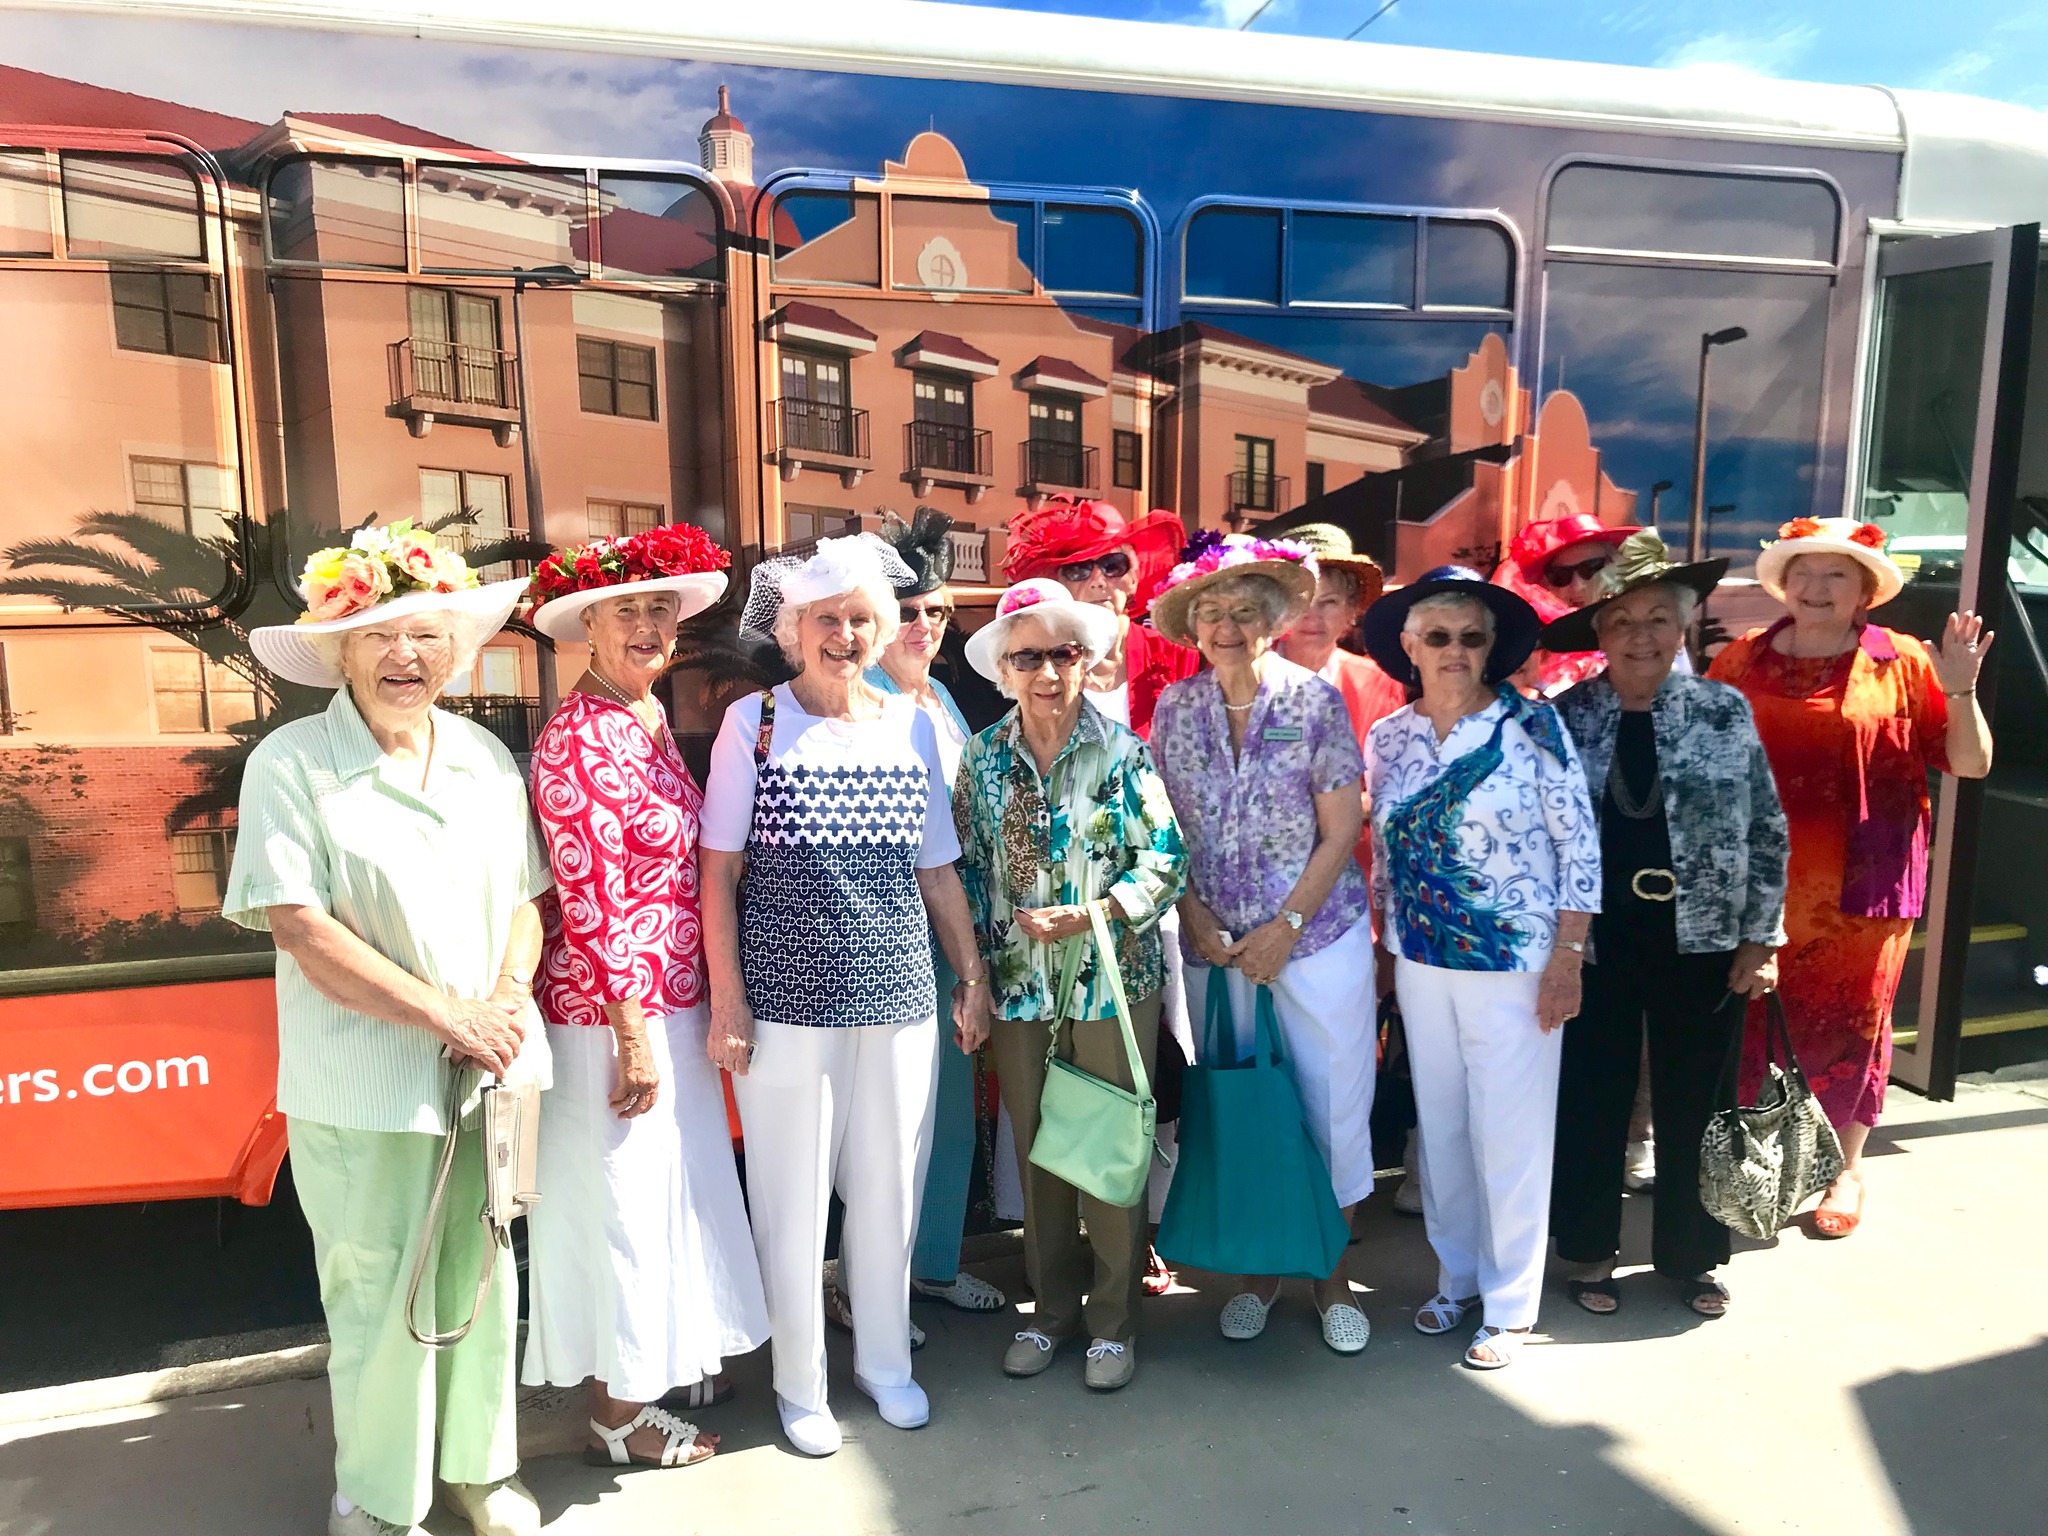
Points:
x=1759, y=1164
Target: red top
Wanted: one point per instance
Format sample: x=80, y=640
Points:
x=1151, y=662
x=619, y=812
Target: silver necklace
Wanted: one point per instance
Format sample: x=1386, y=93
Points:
x=1652, y=802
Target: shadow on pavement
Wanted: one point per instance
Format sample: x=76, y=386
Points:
x=1966, y=1448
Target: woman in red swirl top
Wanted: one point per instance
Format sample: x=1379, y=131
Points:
x=642, y=1273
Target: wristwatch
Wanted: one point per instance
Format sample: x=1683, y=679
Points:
x=1294, y=918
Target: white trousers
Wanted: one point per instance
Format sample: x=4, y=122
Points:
x=1486, y=1109
x=849, y=1109
x=1329, y=1017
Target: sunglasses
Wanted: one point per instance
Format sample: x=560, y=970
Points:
x=938, y=613
x=1564, y=575
x=1115, y=565
x=1030, y=659
x=1464, y=639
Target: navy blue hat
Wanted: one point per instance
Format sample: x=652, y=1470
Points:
x=1515, y=624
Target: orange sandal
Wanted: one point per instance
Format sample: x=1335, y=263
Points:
x=1839, y=1223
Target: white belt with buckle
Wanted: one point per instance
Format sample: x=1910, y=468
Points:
x=1670, y=893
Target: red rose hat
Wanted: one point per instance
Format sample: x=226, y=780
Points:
x=1532, y=548
x=1066, y=529
x=674, y=558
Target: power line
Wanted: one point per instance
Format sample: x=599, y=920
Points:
x=1375, y=16
x=1265, y=5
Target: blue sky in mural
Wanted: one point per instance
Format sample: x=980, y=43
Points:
x=1629, y=355
x=1982, y=47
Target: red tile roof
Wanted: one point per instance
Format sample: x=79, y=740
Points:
x=1060, y=368
x=939, y=344
x=1347, y=398
x=374, y=125
x=29, y=97
x=816, y=317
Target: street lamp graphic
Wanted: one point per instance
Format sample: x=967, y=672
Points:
x=1656, y=494
x=1696, y=530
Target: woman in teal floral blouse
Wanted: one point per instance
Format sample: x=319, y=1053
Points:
x=1059, y=808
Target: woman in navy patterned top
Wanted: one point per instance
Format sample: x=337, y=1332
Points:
x=829, y=799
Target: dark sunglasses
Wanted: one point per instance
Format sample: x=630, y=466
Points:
x=1464, y=639
x=1115, y=565
x=1031, y=658
x=1564, y=575
x=938, y=613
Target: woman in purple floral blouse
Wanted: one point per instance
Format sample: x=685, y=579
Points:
x=1263, y=769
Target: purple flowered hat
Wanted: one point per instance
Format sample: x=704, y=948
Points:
x=1210, y=555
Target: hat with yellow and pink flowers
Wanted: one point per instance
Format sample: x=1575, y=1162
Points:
x=381, y=574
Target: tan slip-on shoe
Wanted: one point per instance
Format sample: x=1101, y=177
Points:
x=1111, y=1364
x=503, y=1508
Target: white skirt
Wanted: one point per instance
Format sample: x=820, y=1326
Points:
x=641, y=1268
x=1329, y=1020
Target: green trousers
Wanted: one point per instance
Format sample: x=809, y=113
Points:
x=365, y=1195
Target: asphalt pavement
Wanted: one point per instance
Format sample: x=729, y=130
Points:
x=1895, y=1382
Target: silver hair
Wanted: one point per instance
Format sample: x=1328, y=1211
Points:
x=1061, y=628
x=1683, y=598
x=1446, y=602
x=1257, y=586
x=881, y=597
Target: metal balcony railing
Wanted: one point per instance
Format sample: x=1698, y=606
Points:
x=947, y=448
x=822, y=427
x=1253, y=490
x=456, y=373
x=1069, y=466
x=514, y=721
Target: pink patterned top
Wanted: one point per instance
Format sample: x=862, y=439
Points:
x=619, y=812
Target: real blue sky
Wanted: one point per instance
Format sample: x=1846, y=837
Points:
x=1996, y=48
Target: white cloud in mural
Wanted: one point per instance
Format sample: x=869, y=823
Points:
x=1772, y=53
x=513, y=99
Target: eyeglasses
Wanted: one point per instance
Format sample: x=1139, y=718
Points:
x=938, y=613
x=1115, y=565
x=1561, y=576
x=1243, y=615
x=1464, y=639
x=1030, y=659
x=423, y=640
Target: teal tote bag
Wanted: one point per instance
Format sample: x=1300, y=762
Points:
x=1251, y=1194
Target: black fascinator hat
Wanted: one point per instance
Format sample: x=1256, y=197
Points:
x=924, y=547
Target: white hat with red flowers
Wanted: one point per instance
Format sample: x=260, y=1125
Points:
x=380, y=575
x=1038, y=597
x=675, y=558
x=1862, y=542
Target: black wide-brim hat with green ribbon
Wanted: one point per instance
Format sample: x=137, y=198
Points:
x=1515, y=623
x=1642, y=561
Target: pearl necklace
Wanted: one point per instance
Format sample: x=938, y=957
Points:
x=633, y=707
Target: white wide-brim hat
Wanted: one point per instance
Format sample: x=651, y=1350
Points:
x=1041, y=598
x=477, y=614
x=561, y=618
x=1832, y=539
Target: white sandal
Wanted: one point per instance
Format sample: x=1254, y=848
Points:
x=1244, y=1315
x=682, y=1440
x=1345, y=1329
x=839, y=1313
x=1503, y=1342
x=1440, y=1314
x=970, y=1293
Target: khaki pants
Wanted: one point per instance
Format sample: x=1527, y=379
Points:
x=1055, y=1258
x=365, y=1196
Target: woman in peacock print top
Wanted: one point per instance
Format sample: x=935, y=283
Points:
x=1486, y=870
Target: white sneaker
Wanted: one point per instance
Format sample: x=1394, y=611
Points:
x=1639, y=1165
x=906, y=1407
x=503, y=1508
x=970, y=1293
x=1408, y=1195
x=360, y=1522
x=811, y=1430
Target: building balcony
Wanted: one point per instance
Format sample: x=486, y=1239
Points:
x=946, y=453
x=452, y=381
x=1256, y=492
x=513, y=720
x=970, y=555
x=818, y=434
x=1048, y=466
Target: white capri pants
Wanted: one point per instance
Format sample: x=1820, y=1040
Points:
x=850, y=1109
x=1329, y=1017
x=1486, y=1110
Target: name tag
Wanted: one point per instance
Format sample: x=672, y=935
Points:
x=1280, y=733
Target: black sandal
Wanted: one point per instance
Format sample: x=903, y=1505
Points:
x=1696, y=1291
x=1579, y=1290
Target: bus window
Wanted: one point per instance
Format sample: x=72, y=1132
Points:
x=1092, y=252
x=837, y=238
x=1614, y=208
x=338, y=213
x=1234, y=254
x=131, y=205
x=1349, y=258
x=660, y=227
x=26, y=228
x=954, y=245
x=485, y=219
x=1467, y=266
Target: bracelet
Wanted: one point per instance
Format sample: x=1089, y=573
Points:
x=1959, y=693
x=1576, y=946
x=975, y=981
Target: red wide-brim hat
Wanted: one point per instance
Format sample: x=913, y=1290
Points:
x=1535, y=544
x=1066, y=529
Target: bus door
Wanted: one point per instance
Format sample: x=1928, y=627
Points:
x=1954, y=467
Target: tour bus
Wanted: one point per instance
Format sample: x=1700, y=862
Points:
x=530, y=274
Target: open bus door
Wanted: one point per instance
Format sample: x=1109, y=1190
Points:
x=1954, y=440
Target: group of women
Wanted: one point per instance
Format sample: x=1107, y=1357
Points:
x=1223, y=798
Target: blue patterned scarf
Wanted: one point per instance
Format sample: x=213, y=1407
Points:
x=1443, y=909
